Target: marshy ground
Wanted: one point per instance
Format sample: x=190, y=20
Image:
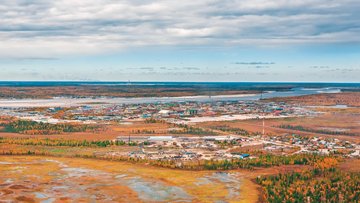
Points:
x=50, y=179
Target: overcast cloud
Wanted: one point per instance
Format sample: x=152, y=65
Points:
x=207, y=40
x=47, y=28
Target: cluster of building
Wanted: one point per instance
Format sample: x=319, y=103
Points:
x=171, y=112
x=179, y=148
x=184, y=148
x=319, y=145
x=202, y=147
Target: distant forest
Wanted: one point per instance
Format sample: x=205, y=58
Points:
x=36, y=128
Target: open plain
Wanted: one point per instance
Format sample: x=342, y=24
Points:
x=207, y=150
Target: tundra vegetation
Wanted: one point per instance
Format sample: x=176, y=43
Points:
x=186, y=129
x=36, y=147
x=319, y=178
x=323, y=183
x=305, y=129
x=40, y=128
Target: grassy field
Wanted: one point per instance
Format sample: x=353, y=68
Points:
x=59, y=179
x=34, y=179
x=107, y=132
x=119, y=91
x=344, y=98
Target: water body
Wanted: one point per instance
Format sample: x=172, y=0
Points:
x=270, y=89
x=233, y=85
x=67, y=102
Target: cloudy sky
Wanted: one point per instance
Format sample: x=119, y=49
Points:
x=187, y=40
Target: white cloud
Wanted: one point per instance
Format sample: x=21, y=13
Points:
x=63, y=27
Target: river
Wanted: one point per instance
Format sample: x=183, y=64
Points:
x=68, y=102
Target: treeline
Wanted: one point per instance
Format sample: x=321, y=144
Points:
x=186, y=129
x=226, y=143
x=153, y=120
x=59, y=142
x=261, y=161
x=143, y=131
x=267, y=160
x=175, y=164
x=237, y=131
x=321, y=184
x=40, y=128
x=304, y=129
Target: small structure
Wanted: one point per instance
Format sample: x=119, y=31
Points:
x=164, y=112
x=243, y=156
x=240, y=155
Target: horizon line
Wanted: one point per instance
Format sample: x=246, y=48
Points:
x=139, y=81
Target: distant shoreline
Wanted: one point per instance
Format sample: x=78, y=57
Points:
x=165, y=83
x=48, y=90
x=68, y=101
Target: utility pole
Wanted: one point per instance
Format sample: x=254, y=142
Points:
x=263, y=130
x=263, y=120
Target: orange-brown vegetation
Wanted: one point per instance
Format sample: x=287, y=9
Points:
x=106, y=132
x=112, y=91
x=350, y=165
x=40, y=170
x=141, y=128
x=35, y=128
x=323, y=183
x=347, y=98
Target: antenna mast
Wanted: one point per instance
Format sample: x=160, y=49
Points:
x=263, y=120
